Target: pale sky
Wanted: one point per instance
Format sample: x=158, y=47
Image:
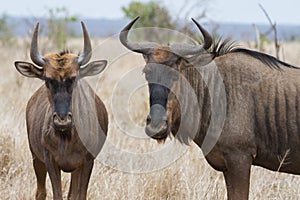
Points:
x=283, y=12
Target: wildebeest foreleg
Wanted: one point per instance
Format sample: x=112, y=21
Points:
x=40, y=172
x=237, y=176
x=80, y=180
x=55, y=176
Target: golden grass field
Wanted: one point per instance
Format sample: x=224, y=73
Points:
x=115, y=175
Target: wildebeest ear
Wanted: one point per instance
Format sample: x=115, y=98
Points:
x=93, y=68
x=29, y=70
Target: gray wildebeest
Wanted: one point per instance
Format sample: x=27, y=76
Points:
x=260, y=105
x=66, y=121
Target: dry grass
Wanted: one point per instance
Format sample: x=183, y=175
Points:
x=189, y=177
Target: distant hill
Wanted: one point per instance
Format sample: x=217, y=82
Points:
x=97, y=27
x=107, y=27
x=246, y=32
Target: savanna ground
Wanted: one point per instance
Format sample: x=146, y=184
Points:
x=116, y=174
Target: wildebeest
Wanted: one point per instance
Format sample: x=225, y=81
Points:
x=59, y=117
x=261, y=124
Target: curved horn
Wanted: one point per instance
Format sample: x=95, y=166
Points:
x=87, y=48
x=207, y=37
x=34, y=52
x=136, y=47
x=187, y=49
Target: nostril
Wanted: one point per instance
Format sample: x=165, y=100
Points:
x=55, y=116
x=60, y=119
x=69, y=116
x=148, y=120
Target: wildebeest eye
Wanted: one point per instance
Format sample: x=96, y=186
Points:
x=69, y=84
x=145, y=57
x=47, y=82
x=51, y=83
x=69, y=81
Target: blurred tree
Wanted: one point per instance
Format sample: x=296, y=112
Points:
x=152, y=14
x=156, y=14
x=57, y=23
x=6, y=31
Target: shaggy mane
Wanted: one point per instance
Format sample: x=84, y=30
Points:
x=220, y=47
x=64, y=52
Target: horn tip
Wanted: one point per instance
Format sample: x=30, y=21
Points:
x=37, y=25
x=195, y=21
x=198, y=25
x=82, y=24
x=126, y=28
x=135, y=19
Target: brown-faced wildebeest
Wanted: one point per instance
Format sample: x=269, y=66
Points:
x=262, y=103
x=59, y=117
